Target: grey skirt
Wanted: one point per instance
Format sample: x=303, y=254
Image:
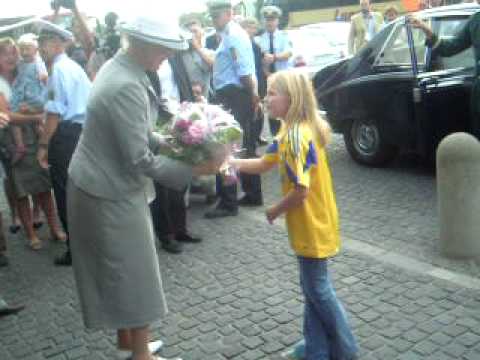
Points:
x=115, y=260
x=29, y=178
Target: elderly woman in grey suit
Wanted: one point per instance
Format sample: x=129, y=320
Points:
x=110, y=185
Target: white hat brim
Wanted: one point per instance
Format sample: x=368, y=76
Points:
x=174, y=44
x=40, y=25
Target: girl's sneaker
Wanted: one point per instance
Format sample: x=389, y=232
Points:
x=291, y=354
x=297, y=352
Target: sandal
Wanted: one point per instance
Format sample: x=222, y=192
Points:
x=35, y=244
x=60, y=237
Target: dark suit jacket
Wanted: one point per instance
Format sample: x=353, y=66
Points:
x=180, y=76
x=262, y=81
x=212, y=42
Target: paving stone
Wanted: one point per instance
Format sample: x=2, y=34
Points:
x=236, y=295
x=454, y=349
x=425, y=348
x=441, y=339
x=234, y=350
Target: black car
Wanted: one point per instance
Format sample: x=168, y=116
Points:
x=394, y=95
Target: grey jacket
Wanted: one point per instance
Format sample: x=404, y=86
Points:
x=116, y=152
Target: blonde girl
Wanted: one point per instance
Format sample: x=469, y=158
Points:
x=309, y=205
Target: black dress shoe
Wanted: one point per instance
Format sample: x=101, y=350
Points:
x=63, y=260
x=171, y=245
x=14, y=228
x=10, y=309
x=249, y=201
x=185, y=237
x=219, y=212
x=3, y=260
x=210, y=199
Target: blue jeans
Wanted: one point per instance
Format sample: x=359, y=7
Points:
x=326, y=330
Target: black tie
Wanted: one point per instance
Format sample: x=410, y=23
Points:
x=163, y=112
x=272, y=51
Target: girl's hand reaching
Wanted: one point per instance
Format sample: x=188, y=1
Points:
x=271, y=214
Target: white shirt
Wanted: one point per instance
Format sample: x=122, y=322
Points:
x=170, y=90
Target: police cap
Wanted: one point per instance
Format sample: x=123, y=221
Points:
x=49, y=30
x=219, y=5
x=271, y=12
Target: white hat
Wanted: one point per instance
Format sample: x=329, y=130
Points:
x=48, y=29
x=157, y=31
x=28, y=39
x=44, y=27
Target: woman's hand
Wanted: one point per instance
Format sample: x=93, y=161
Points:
x=42, y=157
x=4, y=120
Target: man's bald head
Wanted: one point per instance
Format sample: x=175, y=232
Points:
x=365, y=4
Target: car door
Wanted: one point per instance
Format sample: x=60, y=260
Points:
x=442, y=92
x=391, y=90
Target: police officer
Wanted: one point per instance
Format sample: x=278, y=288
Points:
x=276, y=48
x=68, y=91
x=235, y=85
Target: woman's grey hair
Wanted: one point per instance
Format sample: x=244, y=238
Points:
x=249, y=22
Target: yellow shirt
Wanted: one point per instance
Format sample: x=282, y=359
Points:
x=313, y=226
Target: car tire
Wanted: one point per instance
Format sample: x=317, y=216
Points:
x=366, y=144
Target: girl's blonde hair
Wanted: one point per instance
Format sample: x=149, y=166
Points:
x=303, y=104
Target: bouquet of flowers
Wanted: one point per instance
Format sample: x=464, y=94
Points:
x=199, y=132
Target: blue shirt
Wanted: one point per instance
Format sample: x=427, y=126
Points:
x=234, y=57
x=68, y=90
x=28, y=88
x=370, y=26
x=281, y=44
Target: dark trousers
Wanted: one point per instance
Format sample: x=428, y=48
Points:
x=169, y=212
x=60, y=151
x=258, y=125
x=238, y=101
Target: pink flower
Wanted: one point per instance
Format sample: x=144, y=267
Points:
x=197, y=132
x=194, y=135
x=187, y=139
x=183, y=124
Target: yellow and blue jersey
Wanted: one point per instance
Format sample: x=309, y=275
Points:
x=313, y=227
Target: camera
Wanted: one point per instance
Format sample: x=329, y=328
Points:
x=67, y=4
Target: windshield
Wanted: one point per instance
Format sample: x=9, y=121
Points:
x=307, y=42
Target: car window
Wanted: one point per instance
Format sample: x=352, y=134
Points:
x=447, y=28
x=397, y=52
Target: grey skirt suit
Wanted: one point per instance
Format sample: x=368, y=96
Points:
x=110, y=186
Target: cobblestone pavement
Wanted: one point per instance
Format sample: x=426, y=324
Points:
x=236, y=295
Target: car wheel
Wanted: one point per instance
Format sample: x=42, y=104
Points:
x=366, y=145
